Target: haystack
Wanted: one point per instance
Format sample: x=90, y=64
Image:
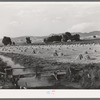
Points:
x=34, y=51
x=83, y=57
x=62, y=54
x=86, y=52
x=55, y=53
x=95, y=50
x=87, y=57
x=80, y=57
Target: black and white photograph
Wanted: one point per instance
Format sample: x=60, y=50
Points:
x=50, y=45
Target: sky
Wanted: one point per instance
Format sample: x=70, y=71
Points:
x=45, y=18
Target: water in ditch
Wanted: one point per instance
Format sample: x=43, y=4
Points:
x=27, y=81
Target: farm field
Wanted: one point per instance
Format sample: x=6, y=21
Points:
x=50, y=58
x=86, y=53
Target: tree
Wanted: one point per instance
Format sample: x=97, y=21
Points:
x=94, y=36
x=66, y=36
x=28, y=41
x=6, y=40
x=13, y=43
x=75, y=37
x=45, y=40
x=53, y=38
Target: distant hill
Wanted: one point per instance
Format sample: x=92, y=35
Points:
x=22, y=39
x=88, y=35
x=83, y=35
x=36, y=39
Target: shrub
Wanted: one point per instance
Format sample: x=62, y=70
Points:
x=6, y=40
x=28, y=41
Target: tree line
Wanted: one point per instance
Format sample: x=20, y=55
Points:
x=7, y=41
x=62, y=38
x=54, y=38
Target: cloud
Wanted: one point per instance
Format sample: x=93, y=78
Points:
x=13, y=23
x=82, y=27
x=46, y=18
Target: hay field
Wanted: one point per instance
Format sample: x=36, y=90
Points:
x=86, y=53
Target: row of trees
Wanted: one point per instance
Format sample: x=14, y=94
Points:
x=58, y=38
x=62, y=38
x=8, y=41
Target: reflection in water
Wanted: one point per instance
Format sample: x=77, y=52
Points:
x=10, y=62
x=33, y=82
x=27, y=81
